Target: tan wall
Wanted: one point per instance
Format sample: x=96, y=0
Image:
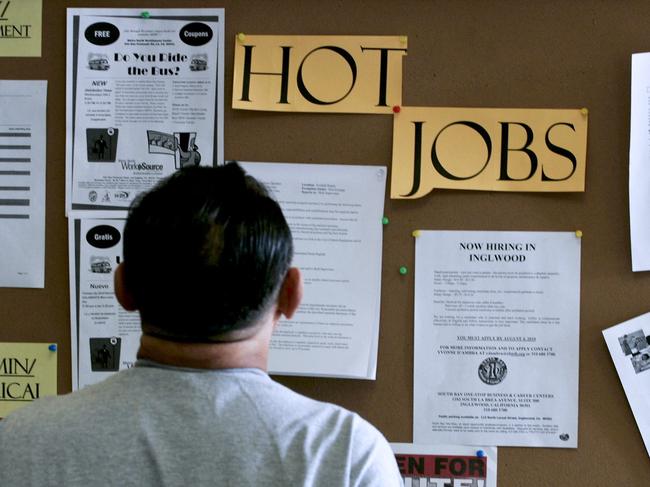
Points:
x=550, y=54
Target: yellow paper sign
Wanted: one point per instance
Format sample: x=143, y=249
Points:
x=343, y=74
x=27, y=372
x=488, y=149
x=20, y=28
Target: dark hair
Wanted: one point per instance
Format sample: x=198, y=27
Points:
x=205, y=253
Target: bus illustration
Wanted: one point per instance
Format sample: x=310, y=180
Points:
x=199, y=62
x=100, y=265
x=98, y=62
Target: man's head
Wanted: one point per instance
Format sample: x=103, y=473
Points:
x=205, y=254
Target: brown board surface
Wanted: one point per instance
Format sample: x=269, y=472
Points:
x=507, y=54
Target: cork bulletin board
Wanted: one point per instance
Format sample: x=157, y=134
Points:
x=463, y=53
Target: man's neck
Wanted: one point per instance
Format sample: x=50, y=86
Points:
x=250, y=352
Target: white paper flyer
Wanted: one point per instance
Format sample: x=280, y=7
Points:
x=22, y=183
x=639, y=174
x=334, y=212
x=144, y=98
x=496, y=338
x=104, y=337
x=629, y=346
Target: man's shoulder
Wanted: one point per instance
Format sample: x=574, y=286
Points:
x=288, y=406
x=61, y=412
x=335, y=444
x=305, y=438
x=44, y=418
x=296, y=414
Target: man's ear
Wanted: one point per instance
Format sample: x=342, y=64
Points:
x=123, y=295
x=290, y=294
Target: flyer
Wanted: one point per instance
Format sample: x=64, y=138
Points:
x=446, y=465
x=496, y=338
x=334, y=212
x=629, y=346
x=104, y=337
x=639, y=178
x=144, y=98
x=22, y=183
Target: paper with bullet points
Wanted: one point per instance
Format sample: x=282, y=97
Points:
x=22, y=183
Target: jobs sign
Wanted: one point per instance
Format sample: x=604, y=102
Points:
x=488, y=149
x=344, y=74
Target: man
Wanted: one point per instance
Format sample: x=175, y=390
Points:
x=100, y=147
x=207, y=258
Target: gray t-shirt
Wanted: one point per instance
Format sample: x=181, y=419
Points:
x=153, y=425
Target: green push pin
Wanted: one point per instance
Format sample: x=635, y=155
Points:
x=145, y=15
x=384, y=220
x=403, y=270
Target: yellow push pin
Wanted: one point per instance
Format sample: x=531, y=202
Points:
x=241, y=37
x=416, y=233
x=579, y=233
x=584, y=111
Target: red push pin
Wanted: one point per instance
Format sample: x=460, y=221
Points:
x=396, y=109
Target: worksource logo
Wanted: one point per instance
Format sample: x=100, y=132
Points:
x=10, y=30
x=142, y=166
